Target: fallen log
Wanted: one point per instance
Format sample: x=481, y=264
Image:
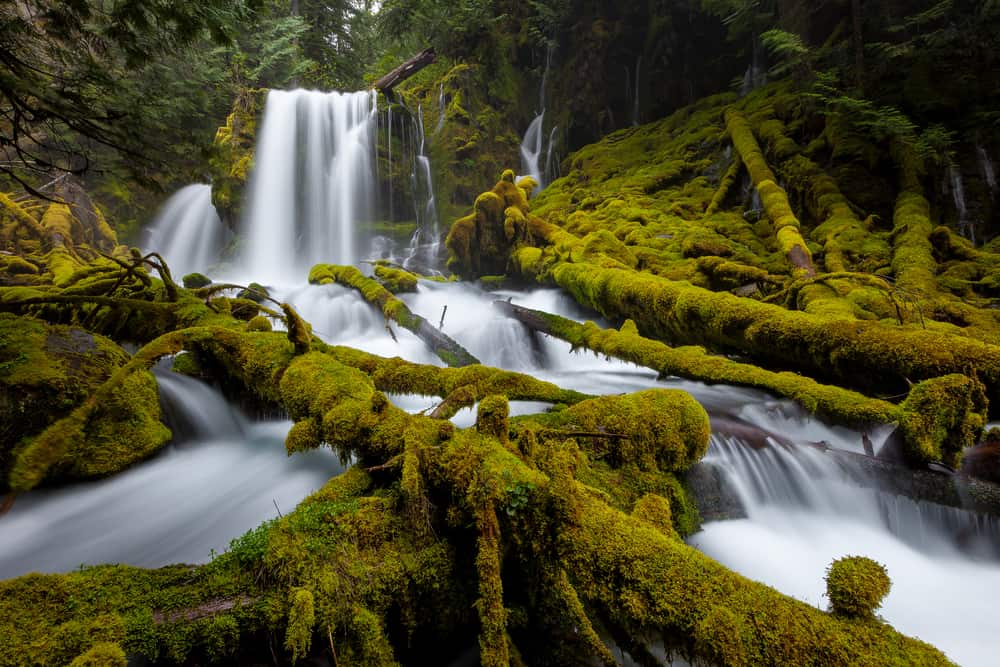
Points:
x=786, y=224
x=405, y=71
x=449, y=351
x=696, y=364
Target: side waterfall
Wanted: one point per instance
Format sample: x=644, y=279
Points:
x=187, y=231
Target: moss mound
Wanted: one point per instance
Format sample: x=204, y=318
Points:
x=856, y=586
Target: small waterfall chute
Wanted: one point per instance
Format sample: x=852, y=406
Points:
x=187, y=231
x=966, y=227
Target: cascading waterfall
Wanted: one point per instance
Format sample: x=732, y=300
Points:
x=805, y=508
x=533, y=142
x=635, y=92
x=440, y=121
x=425, y=245
x=187, y=231
x=531, y=149
x=966, y=227
x=986, y=166
x=756, y=73
x=312, y=183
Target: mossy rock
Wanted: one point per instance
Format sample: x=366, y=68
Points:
x=103, y=654
x=941, y=417
x=259, y=323
x=254, y=292
x=856, y=586
x=196, y=280
x=45, y=372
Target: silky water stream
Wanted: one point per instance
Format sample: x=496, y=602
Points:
x=224, y=474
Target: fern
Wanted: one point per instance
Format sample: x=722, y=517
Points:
x=789, y=48
x=883, y=122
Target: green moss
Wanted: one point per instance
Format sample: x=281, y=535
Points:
x=259, y=323
x=856, y=586
x=231, y=155
x=774, y=199
x=941, y=417
x=396, y=280
x=912, y=257
x=196, y=280
x=301, y=617
x=658, y=429
x=769, y=334
x=124, y=430
x=491, y=417
x=46, y=371
x=104, y=654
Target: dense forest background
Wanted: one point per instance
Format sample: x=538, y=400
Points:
x=129, y=94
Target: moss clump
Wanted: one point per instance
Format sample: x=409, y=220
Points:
x=480, y=243
x=103, y=654
x=491, y=418
x=856, y=586
x=301, y=617
x=941, y=417
x=232, y=152
x=656, y=429
x=45, y=372
x=196, y=280
x=259, y=323
x=396, y=280
x=254, y=292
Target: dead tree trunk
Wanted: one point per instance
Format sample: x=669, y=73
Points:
x=405, y=71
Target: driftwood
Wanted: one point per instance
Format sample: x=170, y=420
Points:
x=405, y=71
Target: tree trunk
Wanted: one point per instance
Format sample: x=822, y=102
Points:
x=405, y=71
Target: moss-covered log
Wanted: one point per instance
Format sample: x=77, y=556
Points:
x=394, y=309
x=773, y=197
x=696, y=364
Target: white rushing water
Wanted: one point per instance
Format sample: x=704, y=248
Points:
x=313, y=181
x=187, y=231
x=221, y=476
x=424, y=252
x=966, y=227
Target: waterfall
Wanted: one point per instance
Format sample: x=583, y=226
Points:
x=533, y=142
x=802, y=477
x=425, y=245
x=440, y=121
x=388, y=144
x=195, y=411
x=756, y=73
x=966, y=227
x=187, y=232
x=531, y=149
x=635, y=97
x=312, y=183
x=986, y=166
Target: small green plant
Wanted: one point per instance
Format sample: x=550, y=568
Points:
x=856, y=586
